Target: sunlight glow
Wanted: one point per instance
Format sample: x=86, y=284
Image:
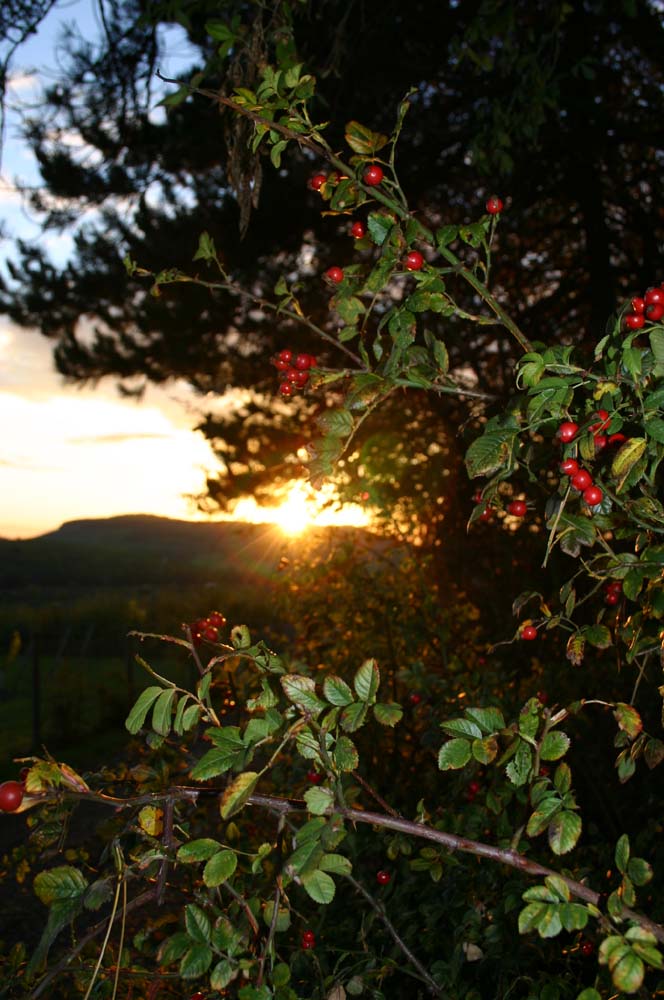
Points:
x=302, y=508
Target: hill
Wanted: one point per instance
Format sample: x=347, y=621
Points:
x=144, y=549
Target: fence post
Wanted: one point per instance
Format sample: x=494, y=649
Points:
x=36, y=693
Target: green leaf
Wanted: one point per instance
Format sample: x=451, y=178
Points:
x=575, y=648
x=589, y=994
x=627, y=972
x=366, y=681
x=562, y=779
x=387, y=714
x=462, y=727
x=554, y=746
x=163, y=710
x=229, y=752
x=622, y=853
x=485, y=750
x=142, y=706
x=654, y=427
x=223, y=973
x=519, y=768
x=446, y=235
x=487, y=454
x=237, y=793
x=196, y=961
x=628, y=719
x=319, y=800
x=490, y=720
x=564, y=831
x=597, y=635
x=362, y=140
x=219, y=868
x=454, y=754
x=206, y=248
x=345, y=754
x=353, y=716
x=319, y=886
x=540, y=819
x=302, y=692
x=336, y=691
x=339, y=422
x=198, y=850
x=337, y=864
x=58, y=884
x=379, y=226
x=197, y=923
x=639, y=871
x=173, y=948
x=283, y=921
x=625, y=460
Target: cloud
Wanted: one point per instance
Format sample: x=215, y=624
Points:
x=118, y=438
x=22, y=81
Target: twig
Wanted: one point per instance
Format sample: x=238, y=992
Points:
x=394, y=934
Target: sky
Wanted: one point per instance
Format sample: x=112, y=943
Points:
x=68, y=452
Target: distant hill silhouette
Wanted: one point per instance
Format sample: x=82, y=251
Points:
x=141, y=549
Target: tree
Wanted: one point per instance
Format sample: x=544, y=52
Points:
x=551, y=102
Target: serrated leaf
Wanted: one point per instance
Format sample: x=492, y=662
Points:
x=345, y=754
x=462, y=727
x=198, y=850
x=554, y=746
x=366, y=681
x=519, y=768
x=628, y=719
x=142, y=706
x=237, y=793
x=229, y=752
x=319, y=800
x=353, y=716
x=337, y=692
x=206, y=248
x=362, y=140
x=319, y=886
x=387, y=714
x=173, y=948
x=197, y=923
x=490, y=720
x=564, y=831
x=487, y=454
x=589, y=994
x=597, y=635
x=454, y=754
x=224, y=972
x=196, y=961
x=562, y=779
x=379, y=226
x=337, y=421
x=336, y=864
x=485, y=750
x=59, y=884
x=639, y=871
x=540, y=819
x=219, y=868
x=626, y=458
x=302, y=692
x=627, y=972
x=162, y=712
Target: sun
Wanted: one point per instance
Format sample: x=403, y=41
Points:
x=301, y=508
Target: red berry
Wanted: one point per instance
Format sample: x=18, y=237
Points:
x=611, y=598
x=605, y=421
x=570, y=466
x=11, y=796
x=528, y=632
x=654, y=295
x=308, y=940
x=335, y=274
x=300, y=379
x=614, y=586
x=304, y=361
x=314, y=778
x=415, y=698
x=638, y=305
x=494, y=205
x=373, y=175
x=211, y=633
x=568, y=431
x=317, y=181
x=383, y=878
x=587, y=949
x=518, y=508
x=196, y=637
x=634, y=321
x=286, y=390
x=414, y=261
x=600, y=441
x=197, y=996
x=474, y=787
x=217, y=619
x=286, y=356
x=581, y=480
x=358, y=230
x=281, y=365
x=616, y=438
x=655, y=312
x=200, y=625
x=593, y=495
x=486, y=514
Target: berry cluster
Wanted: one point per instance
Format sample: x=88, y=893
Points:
x=649, y=308
x=11, y=796
x=206, y=628
x=308, y=940
x=294, y=369
x=612, y=592
x=471, y=791
x=580, y=479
